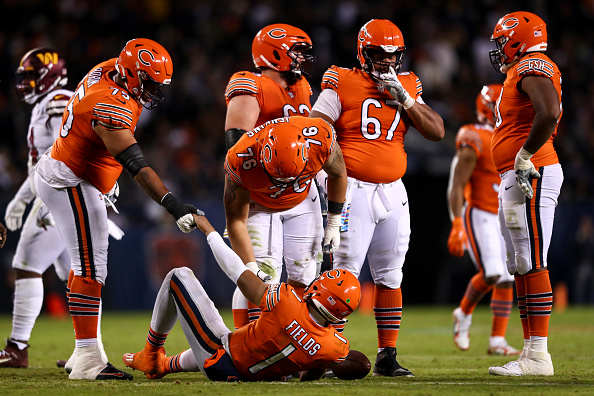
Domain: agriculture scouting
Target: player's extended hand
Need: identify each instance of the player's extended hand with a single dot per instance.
(524, 170)
(332, 234)
(457, 239)
(391, 83)
(181, 212)
(14, 214)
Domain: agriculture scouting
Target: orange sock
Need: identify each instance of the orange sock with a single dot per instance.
(84, 301)
(501, 305)
(521, 293)
(539, 302)
(69, 283)
(387, 306)
(154, 340)
(172, 364)
(475, 291)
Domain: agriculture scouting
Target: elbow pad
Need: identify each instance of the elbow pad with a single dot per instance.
(132, 159)
(232, 136)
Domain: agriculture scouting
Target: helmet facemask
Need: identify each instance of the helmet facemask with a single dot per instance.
(150, 95)
(375, 67)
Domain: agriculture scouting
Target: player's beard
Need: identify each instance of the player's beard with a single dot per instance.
(291, 77)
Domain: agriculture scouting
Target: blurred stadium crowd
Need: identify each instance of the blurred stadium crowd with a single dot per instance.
(447, 47)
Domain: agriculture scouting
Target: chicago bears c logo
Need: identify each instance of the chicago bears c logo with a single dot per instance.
(510, 23)
(149, 54)
(333, 274)
(277, 33)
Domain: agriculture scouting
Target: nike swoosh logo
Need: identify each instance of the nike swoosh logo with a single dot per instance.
(5, 360)
(314, 199)
(508, 187)
(121, 101)
(404, 203)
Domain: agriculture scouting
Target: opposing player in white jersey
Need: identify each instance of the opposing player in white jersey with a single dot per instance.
(473, 206)
(39, 80)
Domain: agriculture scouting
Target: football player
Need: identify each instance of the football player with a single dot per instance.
(96, 142)
(40, 79)
(372, 109)
(292, 334)
(475, 226)
(528, 114)
(273, 214)
(278, 89)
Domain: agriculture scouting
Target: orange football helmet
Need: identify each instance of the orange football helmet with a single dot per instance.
(145, 67)
(380, 35)
(282, 47)
(335, 294)
(284, 153)
(40, 71)
(516, 34)
(485, 103)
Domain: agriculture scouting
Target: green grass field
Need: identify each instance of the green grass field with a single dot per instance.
(424, 346)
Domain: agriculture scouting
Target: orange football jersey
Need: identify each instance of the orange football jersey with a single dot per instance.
(244, 167)
(372, 126)
(515, 113)
(483, 187)
(285, 339)
(275, 102)
(98, 99)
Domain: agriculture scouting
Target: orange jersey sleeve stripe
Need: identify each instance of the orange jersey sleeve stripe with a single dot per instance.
(330, 78)
(241, 85)
(536, 66)
(83, 232)
(191, 314)
(111, 114)
(534, 223)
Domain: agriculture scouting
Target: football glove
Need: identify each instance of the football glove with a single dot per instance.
(457, 239)
(332, 234)
(253, 266)
(391, 83)
(14, 214)
(524, 170)
(181, 212)
(111, 197)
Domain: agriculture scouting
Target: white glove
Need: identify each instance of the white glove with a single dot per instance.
(391, 83)
(524, 169)
(332, 234)
(116, 232)
(14, 214)
(112, 196)
(252, 266)
(186, 222)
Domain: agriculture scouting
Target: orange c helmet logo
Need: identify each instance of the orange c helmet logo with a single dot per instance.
(510, 23)
(277, 33)
(150, 55)
(333, 274)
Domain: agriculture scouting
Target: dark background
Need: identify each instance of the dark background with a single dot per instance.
(447, 47)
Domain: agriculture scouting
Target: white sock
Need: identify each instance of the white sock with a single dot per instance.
(85, 342)
(538, 343)
(187, 361)
(497, 341)
(28, 300)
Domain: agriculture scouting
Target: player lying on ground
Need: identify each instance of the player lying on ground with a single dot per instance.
(292, 334)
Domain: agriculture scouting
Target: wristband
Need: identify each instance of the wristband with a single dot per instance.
(335, 207)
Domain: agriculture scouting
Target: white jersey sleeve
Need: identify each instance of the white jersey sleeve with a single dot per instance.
(328, 103)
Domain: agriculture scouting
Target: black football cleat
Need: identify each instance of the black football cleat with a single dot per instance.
(387, 365)
(112, 373)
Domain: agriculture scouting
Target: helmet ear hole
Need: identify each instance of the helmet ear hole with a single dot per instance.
(276, 55)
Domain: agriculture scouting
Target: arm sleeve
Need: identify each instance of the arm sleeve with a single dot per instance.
(25, 193)
(328, 103)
